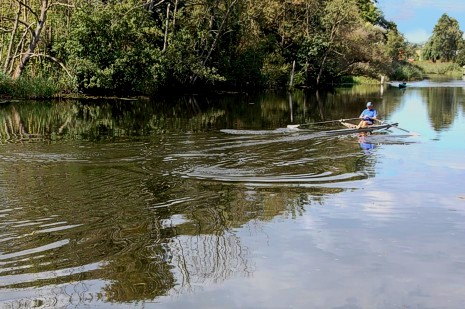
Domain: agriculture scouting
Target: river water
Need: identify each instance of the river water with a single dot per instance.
(212, 202)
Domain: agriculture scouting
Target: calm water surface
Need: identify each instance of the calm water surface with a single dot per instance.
(215, 203)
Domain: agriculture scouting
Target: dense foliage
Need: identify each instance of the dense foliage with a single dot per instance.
(134, 46)
(446, 41)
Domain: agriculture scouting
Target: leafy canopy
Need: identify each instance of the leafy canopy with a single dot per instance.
(445, 41)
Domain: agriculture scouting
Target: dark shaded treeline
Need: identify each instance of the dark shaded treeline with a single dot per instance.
(144, 47)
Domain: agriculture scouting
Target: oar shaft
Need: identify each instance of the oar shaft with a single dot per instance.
(329, 121)
(396, 126)
(402, 129)
(320, 122)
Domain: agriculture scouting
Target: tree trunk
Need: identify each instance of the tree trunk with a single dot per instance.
(19, 48)
(165, 42)
(12, 39)
(174, 14)
(34, 40)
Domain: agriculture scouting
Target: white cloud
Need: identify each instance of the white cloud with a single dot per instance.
(417, 36)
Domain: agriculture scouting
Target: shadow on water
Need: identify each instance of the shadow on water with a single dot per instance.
(124, 202)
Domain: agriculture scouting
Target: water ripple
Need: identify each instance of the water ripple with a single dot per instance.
(10, 280)
(35, 250)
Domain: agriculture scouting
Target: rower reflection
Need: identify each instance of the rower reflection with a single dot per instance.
(366, 146)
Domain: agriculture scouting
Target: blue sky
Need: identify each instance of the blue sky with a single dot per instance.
(417, 18)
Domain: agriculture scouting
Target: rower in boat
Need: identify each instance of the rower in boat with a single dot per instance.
(366, 125)
(352, 128)
(368, 116)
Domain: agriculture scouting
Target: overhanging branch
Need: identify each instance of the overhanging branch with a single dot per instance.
(54, 60)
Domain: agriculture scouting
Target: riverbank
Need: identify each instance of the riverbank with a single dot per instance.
(48, 88)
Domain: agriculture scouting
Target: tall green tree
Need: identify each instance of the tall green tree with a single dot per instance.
(445, 41)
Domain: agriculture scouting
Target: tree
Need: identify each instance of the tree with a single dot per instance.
(445, 41)
(461, 54)
(344, 44)
(23, 24)
(138, 46)
(395, 45)
(114, 47)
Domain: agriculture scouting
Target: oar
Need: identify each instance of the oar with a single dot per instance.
(402, 129)
(295, 126)
(409, 132)
(395, 125)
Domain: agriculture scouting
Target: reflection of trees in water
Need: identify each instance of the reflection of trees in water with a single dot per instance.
(141, 270)
(342, 103)
(443, 105)
(78, 228)
(12, 126)
(139, 253)
(202, 217)
(208, 258)
(69, 120)
(100, 119)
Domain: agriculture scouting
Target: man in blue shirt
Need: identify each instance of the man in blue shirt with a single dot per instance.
(368, 116)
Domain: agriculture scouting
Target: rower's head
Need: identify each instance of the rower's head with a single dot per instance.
(369, 105)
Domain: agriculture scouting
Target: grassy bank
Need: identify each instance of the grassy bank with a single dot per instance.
(359, 80)
(444, 68)
(407, 71)
(32, 87)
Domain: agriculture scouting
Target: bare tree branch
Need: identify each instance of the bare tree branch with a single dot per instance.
(28, 8)
(21, 22)
(61, 4)
(149, 6)
(10, 45)
(54, 60)
(19, 47)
